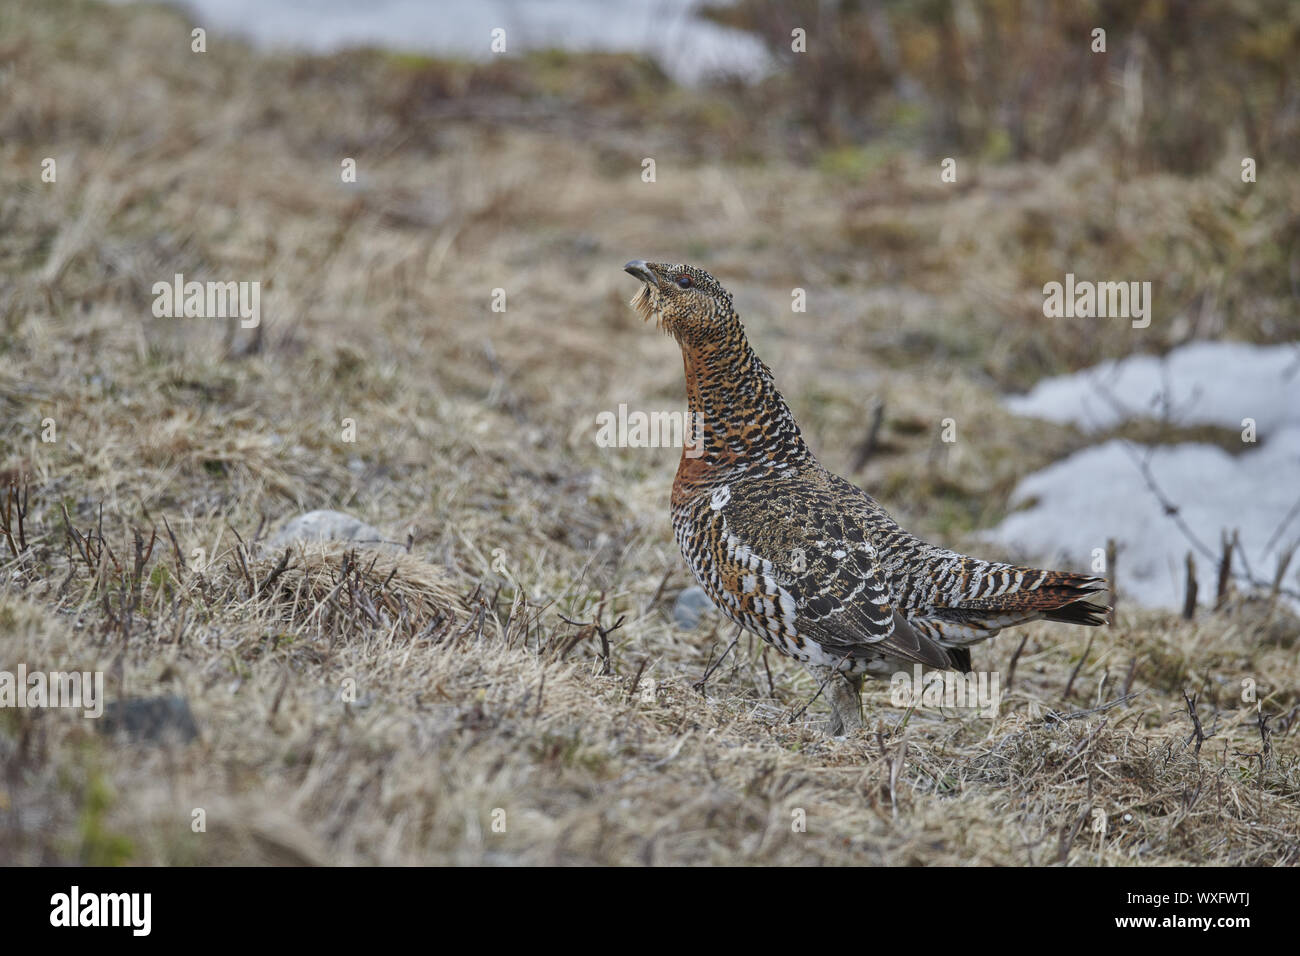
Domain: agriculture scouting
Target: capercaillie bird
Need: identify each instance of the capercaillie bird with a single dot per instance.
(802, 558)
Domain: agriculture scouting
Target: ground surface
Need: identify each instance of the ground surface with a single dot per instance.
(391, 708)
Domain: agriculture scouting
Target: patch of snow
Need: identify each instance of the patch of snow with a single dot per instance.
(689, 47)
(1203, 383)
(330, 526)
(1075, 505)
(1100, 493)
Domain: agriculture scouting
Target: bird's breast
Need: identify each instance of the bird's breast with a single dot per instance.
(700, 474)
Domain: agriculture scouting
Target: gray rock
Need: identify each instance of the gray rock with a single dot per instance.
(329, 526)
(689, 606)
(151, 720)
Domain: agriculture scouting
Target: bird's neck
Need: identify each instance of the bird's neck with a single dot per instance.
(739, 423)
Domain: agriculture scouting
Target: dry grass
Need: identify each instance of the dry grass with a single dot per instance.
(380, 707)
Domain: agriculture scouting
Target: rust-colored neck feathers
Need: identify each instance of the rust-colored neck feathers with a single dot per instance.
(738, 418)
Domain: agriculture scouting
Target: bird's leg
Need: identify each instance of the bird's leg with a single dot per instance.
(841, 691)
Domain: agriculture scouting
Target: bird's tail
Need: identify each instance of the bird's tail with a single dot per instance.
(981, 598)
(1055, 595)
(959, 659)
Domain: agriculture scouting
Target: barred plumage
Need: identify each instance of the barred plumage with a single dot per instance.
(802, 558)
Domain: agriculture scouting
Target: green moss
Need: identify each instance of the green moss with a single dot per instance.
(99, 845)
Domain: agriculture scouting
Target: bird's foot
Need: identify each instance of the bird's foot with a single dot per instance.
(841, 693)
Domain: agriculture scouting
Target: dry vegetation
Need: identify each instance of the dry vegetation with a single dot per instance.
(361, 706)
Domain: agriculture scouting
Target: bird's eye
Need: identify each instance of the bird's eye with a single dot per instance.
(684, 281)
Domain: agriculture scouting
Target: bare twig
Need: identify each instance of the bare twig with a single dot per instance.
(1067, 839)
(1225, 569)
(1290, 516)
(659, 591)
(1198, 731)
(13, 515)
(1261, 721)
(243, 565)
(1128, 678)
(1080, 714)
(1069, 686)
(636, 679)
(283, 565)
(180, 560)
(601, 630)
(1189, 602)
(1283, 562)
(714, 665)
(1011, 668)
(868, 446)
(1112, 576)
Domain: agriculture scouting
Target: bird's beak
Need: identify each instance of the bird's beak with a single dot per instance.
(646, 300)
(637, 268)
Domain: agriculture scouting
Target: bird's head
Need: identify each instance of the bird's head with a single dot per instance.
(688, 303)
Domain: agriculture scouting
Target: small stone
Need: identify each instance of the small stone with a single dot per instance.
(150, 720)
(689, 606)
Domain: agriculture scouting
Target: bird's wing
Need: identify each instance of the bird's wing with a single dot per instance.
(791, 559)
(955, 600)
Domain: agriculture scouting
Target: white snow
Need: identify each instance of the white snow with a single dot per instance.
(689, 47)
(1204, 383)
(1076, 504)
